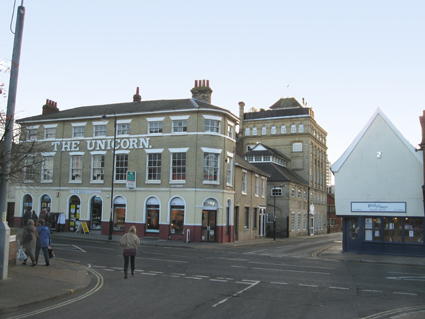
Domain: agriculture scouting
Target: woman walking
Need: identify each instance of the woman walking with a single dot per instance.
(129, 242)
(29, 239)
(43, 242)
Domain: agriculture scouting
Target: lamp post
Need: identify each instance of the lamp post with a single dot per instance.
(111, 222)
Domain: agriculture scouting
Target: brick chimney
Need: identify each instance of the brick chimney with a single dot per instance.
(202, 91)
(50, 107)
(241, 117)
(137, 97)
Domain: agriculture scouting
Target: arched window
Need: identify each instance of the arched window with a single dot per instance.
(119, 213)
(177, 216)
(152, 214)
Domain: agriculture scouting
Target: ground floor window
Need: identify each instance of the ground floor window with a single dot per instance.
(96, 212)
(393, 229)
(177, 216)
(152, 214)
(119, 214)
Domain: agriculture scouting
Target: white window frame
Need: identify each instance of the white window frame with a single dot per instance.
(117, 153)
(176, 119)
(283, 129)
(247, 131)
(254, 131)
(150, 152)
(50, 130)
(29, 168)
(229, 169)
(213, 120)
(263, 190)
(92, 168)
(297, 147)
(231, 130)
(293, 128)
(264, 130)
(51, 157)
(78, 125)
(32, 133)
(74, 155)
(301, 128)
(273, 130)
(123, 127)
(176, 151)
(244, 182)
(218, 153)
(293, 192)
(154, 120)
(98, 124)
(257, 191)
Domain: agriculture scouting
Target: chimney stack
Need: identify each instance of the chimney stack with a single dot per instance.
(241, 117)
(202, 91)
(137, 97)
(50, 107)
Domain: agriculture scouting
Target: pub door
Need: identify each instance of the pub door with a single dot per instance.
(208, 225)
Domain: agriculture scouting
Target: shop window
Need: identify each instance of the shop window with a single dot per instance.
(254, 218)
(413, 230)
(96, 212)
(373, 229)
(393, 229)
(177, 216)
(119, 213)
(152, 214)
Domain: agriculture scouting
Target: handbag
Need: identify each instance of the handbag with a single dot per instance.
(123, 241)
(21, 254)
(51, 253)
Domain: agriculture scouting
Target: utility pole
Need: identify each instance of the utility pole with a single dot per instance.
(7, 147)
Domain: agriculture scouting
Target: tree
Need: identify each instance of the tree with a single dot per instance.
(252, 109)
(25, 159)
(4, 68)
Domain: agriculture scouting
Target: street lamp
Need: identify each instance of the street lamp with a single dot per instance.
(111, 223)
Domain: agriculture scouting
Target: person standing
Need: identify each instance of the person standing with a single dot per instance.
(61, 222)
(129, 242)
(43, 242)
(29, 239)
(27, 217)
(34, 217)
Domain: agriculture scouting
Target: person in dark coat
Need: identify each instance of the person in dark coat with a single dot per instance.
(43, 242)
(27, 216)
(34, 217)
(29, 243)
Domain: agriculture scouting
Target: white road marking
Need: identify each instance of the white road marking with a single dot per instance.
(298, 266)
(278, 283)
(75, 261)
(239, 292)
(303, 285)
(366, 290)
(220, 280)
(342, 288)
(193, 278)
(404, 293)
(286, 270)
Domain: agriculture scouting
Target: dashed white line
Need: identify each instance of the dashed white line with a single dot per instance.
(404, 293)
(303, 285)
(279, 283)
(366, 290)
(342, 288)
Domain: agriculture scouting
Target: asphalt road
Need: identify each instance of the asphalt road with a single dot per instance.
(270, 281)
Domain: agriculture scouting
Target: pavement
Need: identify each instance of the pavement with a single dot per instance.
(28, 286)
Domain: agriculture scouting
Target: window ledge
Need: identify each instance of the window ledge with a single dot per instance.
(47, 181)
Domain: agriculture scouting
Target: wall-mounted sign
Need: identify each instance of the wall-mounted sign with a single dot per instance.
(372, 207)
(131, 179)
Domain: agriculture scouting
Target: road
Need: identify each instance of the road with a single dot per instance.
(284, 280)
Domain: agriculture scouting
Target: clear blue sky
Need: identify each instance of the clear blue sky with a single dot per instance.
(345, 58)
